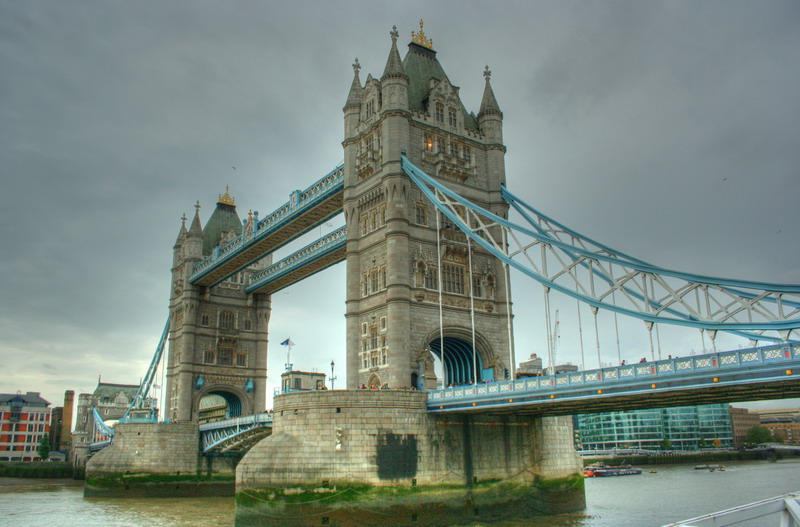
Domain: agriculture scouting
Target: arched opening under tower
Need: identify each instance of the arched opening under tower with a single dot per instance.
(218, 405)
(462, 363)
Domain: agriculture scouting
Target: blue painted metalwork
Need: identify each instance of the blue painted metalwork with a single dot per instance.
(227, 434)
(298, 204)
(296, 261)
(681, 298)
(777, 362)
(138, 402)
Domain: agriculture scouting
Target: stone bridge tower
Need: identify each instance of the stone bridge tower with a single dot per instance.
(218, 335)
(396, 263)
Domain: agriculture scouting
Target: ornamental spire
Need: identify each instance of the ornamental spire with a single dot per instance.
(489, 103)
(394, 66)
(354, 97)
(420, 38)
(226, 198)
(196, 229)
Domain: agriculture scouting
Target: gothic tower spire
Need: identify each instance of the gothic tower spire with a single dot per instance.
(489, 104)
(394, 66)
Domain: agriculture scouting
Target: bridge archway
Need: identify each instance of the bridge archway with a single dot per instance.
(220, 403)
(374, 381)
(462, 364)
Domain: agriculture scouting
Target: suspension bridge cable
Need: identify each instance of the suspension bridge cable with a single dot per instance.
(507, 288)
(616, 326)
(549, 332)
(580, 334)
(472, 316)
(597, 337)
(658, 340)
(439, 283)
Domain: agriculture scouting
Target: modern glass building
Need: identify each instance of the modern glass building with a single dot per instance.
(686, 427)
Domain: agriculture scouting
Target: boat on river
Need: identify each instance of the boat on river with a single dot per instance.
(600, 470)
(710, 468)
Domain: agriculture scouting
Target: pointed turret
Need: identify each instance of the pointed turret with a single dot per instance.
(394, 83)
(182, 232)
(394, 66)
(352, 108)
(490, 118)
(354, 97)
(178, 247)
(193, 245)
(489, 104)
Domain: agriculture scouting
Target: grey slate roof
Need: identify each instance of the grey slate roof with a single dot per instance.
(223, 219)
(29, 398)
(421, 65)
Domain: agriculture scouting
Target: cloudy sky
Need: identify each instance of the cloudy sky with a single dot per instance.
(668, 130)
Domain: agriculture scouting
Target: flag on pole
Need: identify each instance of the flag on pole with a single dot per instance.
(287, 342)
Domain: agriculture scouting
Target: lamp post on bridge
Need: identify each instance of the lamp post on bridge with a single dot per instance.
(332, 377)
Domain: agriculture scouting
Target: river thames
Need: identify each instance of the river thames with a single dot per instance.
(671, 494)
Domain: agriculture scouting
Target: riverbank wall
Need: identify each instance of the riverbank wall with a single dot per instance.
(37, 469)
(690, 458)
(158, 460)
(377, 457)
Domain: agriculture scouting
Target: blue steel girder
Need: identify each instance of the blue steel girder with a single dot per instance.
(304, 211)
(311, 259)
(140, 399)
(238, 433)
(563, 260)
(769, 372)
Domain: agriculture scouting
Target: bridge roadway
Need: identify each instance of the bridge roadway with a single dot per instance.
(769, 372)
(236, 434)
(304, 211)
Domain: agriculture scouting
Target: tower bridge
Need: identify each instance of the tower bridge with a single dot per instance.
(431, 234)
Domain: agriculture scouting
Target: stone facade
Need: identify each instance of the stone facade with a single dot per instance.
(157, 460)
(148, 448)
(218, 335)
(399, 253)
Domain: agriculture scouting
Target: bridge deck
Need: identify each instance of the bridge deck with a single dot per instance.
(304, 211)
(770, 372)
(311, 259)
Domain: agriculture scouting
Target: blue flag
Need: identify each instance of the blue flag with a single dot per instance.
(287, 342)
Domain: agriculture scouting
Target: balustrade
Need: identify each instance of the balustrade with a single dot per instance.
(677, 367)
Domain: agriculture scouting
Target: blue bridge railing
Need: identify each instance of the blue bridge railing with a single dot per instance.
(227, 433)
(633, 375)
(299, 202)
(310, 253)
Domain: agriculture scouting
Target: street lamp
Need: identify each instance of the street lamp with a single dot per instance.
(332, 377)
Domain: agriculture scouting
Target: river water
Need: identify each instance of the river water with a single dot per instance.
(671, 494)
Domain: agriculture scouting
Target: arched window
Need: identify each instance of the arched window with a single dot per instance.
(226, 320)
(440, 112)
(451, 116)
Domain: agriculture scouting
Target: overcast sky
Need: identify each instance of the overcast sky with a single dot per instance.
(668, 130)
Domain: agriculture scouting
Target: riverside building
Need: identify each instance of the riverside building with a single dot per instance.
(24, 420)
(686, 427)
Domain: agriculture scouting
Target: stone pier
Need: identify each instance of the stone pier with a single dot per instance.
(157, 460)
(378, 458)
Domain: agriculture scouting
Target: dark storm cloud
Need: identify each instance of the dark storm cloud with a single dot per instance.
(667, 130)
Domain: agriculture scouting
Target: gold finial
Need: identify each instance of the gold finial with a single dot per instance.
(421, 39)
(226, 198)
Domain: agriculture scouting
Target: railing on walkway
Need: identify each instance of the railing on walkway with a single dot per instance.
(298, 203)
(785, 509)
(310, 253)
(227, 433)
(647, 372)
